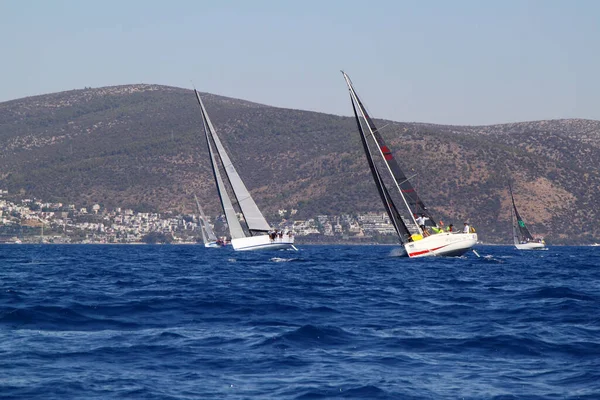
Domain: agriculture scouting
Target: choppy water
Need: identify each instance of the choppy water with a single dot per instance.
(185, 322)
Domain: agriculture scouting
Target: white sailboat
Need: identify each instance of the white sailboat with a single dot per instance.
(256, 234)
(522, 237)
(208, 235)
(401, 201)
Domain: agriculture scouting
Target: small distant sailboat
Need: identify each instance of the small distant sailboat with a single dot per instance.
(401, 202)
(208, 235)
(256, 234)
(42, 238)
(522, 237)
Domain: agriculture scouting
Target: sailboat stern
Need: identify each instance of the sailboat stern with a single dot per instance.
(441, 244)
(262, 242)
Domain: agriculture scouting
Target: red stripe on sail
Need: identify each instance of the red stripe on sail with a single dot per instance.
(387, 154)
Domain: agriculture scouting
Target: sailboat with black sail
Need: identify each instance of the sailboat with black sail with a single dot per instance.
(255, 233)
(522, 238)
(399, 197)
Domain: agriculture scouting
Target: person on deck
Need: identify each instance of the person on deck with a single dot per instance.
(421, 222)
(450, 228)
(466, 229)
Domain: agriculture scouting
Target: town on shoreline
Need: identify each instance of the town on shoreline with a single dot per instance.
(31, 220)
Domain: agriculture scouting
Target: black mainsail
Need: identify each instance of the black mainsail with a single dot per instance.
(404, 222)
(415, 204)
(524, 234)
(388, 203)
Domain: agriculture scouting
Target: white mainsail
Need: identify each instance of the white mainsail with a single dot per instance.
(235, 228)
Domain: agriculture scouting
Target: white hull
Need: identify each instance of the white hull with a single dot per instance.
(530, 246)
(212, 245)
(441, 244)
(262, 242)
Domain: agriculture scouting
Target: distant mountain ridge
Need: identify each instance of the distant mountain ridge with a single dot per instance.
(140, 146)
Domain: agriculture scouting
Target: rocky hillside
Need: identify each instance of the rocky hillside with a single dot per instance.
(141, 146)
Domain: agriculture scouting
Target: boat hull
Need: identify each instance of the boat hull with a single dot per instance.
(262, 242)
(212, 245)
(530, 246)
(441, 244)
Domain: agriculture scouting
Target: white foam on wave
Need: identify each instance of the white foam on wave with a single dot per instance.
(398, 252)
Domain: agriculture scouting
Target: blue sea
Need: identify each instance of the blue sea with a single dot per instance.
(326, 322)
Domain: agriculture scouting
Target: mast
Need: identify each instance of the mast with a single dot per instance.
(252, 215)
(235, 228)
(514, 225)
(525, 234)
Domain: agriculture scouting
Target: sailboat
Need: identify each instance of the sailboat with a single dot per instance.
(208, 235)
(522, 237)
(400, 199)
(256, 234)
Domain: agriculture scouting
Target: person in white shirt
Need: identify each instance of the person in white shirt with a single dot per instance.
(466, 229)
(421, 222)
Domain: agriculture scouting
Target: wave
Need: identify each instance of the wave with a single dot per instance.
(58, 318)
(310, 336)
(280, 259)
(557, 292)
(360, 392)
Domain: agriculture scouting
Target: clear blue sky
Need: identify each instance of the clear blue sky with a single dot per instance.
(453, 62)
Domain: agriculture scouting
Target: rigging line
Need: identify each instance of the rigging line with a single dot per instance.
(385, 126)
(238, 201)
(407, 179)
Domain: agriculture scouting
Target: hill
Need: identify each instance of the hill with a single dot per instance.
(140, 146)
